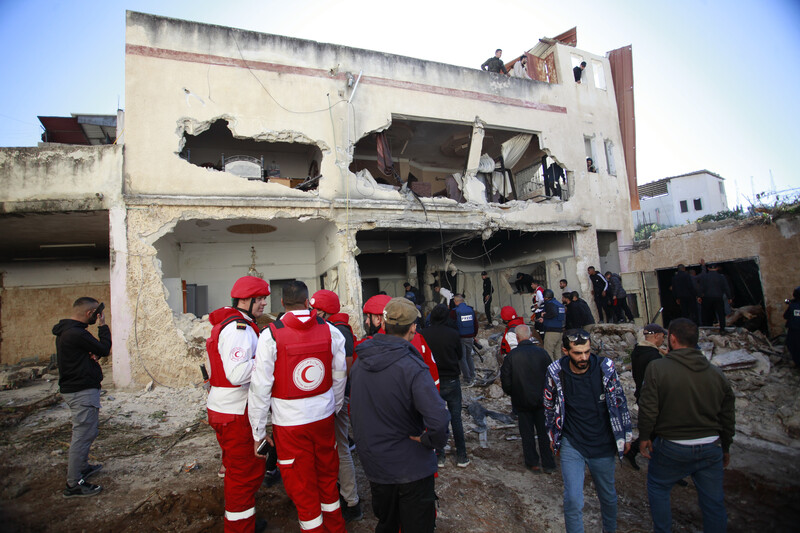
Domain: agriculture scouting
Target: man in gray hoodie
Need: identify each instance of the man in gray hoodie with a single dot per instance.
(686, 425)
(398, 420)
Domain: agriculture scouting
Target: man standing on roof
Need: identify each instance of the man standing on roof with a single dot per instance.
(495, 64)
(231, 352)
(299, 375)
(373, 316)
(326, 304)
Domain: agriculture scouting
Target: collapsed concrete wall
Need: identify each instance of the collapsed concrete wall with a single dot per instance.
(775, 245)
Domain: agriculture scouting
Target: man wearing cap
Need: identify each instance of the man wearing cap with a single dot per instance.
(509, 316)
(644, 353)
(373, 318)
(231, 351)
(399, 419)
(326, 304)
(687, 420)
(586, 413)
(299, 375)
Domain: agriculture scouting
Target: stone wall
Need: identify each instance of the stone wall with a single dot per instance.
(775, 245)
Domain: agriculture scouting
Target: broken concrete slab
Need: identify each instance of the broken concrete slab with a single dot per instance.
(735, 360)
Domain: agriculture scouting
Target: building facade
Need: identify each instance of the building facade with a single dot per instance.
(680, 199)
(351, 170)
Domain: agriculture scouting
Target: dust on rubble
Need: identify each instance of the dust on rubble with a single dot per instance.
(161, 459)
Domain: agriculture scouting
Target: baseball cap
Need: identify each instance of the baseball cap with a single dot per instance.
(400, 312)
(649, 329)
(326, 301)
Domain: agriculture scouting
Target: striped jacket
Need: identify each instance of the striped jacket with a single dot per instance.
(554, 411)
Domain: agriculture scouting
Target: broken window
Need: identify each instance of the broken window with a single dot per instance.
(293, 164)
(576, 62)
(698, 204)
(684, 206)
(599, 74)
(610, 166)
(591, 159)
(423, 153)
(721, 188)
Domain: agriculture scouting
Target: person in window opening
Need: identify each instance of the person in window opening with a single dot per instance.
(590, 165)
(520, 69)
(578, 71)
(494, 64)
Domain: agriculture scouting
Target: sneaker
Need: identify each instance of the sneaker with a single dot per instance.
(221, 472)
(351, 444)
(82, 489)
(468, 384)
(463, 462)
(682, 483)
(441, 461)
(548, 469)
(352, 513)
(90, 471)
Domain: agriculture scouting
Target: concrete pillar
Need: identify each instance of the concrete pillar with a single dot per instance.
(584, 245)
(121, 315)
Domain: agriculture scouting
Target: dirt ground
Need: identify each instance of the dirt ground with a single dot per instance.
(150, 439)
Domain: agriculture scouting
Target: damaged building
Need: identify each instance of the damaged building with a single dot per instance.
(351, 170)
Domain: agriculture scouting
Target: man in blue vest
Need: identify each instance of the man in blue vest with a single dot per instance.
(467, 328)
(552, 320)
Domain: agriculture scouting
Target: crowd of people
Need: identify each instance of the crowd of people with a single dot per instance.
(283, 401)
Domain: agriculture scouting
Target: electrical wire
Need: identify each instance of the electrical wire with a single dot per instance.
(270, 94)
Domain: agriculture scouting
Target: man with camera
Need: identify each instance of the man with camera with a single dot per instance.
(79, 381)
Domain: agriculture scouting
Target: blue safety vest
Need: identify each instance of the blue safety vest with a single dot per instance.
(556, 323)
(465, 320)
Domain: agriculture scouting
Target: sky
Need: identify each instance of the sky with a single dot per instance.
(716, 83)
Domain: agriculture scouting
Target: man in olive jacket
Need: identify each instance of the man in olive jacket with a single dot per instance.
(686, 423)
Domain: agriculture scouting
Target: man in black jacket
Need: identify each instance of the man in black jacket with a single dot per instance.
(583, 313)
(600, 294)
(522, 376)
(487, 296)
(645, 352)
(79, 381)
(399, 419)
(445, 345)
(495, 64)
(685, 294)
(713, 289)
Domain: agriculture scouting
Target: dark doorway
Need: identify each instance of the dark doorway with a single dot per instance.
(744, 279)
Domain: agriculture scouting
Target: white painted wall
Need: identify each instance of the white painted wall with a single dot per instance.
(666, 209)
(55, 274)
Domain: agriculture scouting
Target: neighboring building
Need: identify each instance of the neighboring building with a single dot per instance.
(681, 199)
(246, 152)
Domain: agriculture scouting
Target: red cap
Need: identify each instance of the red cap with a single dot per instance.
(326, 301)
(249, 287)
(376, 304)
(508, 313)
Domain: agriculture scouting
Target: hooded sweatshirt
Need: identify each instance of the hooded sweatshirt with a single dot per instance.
(392, 397)
(685, 397)
(75, 346)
